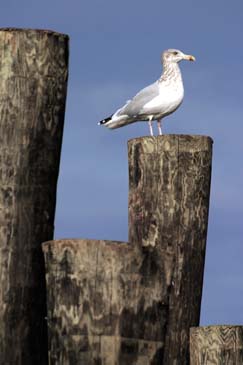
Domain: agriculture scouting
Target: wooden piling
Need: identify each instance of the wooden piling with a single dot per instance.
(33, 82)
(169, 187)
(217, 345)
(101, 310)
(112, 303)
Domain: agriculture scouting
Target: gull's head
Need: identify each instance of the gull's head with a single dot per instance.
(175, 56)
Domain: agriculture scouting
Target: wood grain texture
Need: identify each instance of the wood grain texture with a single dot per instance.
(33, 82)
(101, 310)
(216, 345)
(169, 187)
(112, 303)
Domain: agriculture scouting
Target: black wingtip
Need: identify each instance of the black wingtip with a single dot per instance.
(104, 121)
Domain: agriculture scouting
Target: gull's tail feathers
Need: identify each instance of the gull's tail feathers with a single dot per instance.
(106, 120)
(115, 121)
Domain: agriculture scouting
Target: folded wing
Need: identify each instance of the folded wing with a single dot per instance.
(135, 106)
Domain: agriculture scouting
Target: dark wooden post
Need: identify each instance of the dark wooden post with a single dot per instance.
(113, 303)
(33, 81)
(168, 216)
(217, 345)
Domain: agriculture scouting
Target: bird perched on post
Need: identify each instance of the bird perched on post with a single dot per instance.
(157, 100)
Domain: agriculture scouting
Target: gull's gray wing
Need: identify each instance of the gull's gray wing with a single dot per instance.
(135, 106)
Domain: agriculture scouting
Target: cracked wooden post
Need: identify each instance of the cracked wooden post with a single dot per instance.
(33, 81)
(133, 303)
(168, 215)
(216, 345)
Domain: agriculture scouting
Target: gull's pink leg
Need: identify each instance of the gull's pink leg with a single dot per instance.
(159, 126)
(150, 128)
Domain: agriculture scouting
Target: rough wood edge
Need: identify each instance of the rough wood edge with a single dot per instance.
(140, 139)
(60, 243)
(220, 326)
(168, 142)
(44, 31)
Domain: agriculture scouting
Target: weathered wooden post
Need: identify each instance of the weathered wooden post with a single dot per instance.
(114, 303)
(168, 216)
(33, 81)
(216, 345)
(96, 305)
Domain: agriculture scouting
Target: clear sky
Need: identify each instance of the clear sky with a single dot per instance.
(115, 51)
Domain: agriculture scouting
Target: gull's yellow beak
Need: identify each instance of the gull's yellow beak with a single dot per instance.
(189, 57)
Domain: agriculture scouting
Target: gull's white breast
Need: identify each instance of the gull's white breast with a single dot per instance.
(168, 100)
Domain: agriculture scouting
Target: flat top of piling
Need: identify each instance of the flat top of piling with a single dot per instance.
(167, 142)
(171, 136)
(215, 326)
(42, 31)
(62, 243)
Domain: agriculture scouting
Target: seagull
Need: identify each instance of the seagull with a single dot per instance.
(157, 100)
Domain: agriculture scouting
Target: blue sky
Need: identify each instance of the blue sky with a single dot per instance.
(115, 50)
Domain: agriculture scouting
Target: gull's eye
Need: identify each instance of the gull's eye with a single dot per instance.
(175, 53)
